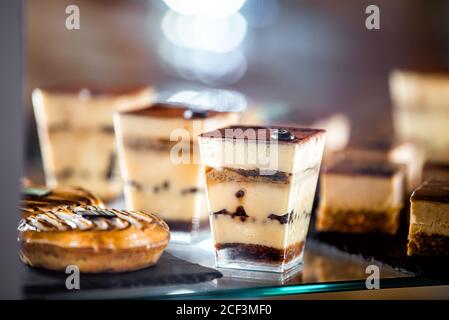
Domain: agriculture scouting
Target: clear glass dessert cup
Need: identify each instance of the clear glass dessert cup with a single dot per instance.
(260, 214)
(76, 135)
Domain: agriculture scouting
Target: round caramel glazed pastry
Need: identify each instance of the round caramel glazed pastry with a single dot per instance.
(92, 238)
(37, 198)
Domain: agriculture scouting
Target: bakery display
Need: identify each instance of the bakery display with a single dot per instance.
(429, 219)
(77, 137)
(36, 198)
(360, 197)
(94, 239)
(160, 163)
(408, 154)
(260, 206)
(421, 111)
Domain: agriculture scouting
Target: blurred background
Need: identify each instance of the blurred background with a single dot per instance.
(302, 57)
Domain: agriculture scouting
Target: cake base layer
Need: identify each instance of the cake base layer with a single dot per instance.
(89, 260)
(258, 257)
(358, 221)
(424, 244)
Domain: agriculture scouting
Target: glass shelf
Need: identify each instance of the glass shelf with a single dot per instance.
(325, 270)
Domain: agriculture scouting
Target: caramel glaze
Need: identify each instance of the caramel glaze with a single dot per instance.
(93, 227)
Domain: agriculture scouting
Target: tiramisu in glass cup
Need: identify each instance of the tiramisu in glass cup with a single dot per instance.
(261, 184)
(77, 137)
(160, 163)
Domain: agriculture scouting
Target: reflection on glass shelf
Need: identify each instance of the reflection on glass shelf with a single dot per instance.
(321, 264)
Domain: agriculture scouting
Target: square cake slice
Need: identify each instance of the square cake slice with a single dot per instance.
(359, 197)
(160, 163)
(429, 219)
(261, 184)
(405, 153)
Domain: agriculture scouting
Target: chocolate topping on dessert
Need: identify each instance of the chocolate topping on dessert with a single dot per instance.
(383, 169)
(240, 194)
(432, 190)
(239, 212)
(266, 134)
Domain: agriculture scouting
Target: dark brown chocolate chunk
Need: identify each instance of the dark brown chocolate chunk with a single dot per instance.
(156, 189)
(240, 194)
(189, 190)
(285, 218)
(107, 129)
(166, 185)
(432, 190)
(282, 135)
(111, 166)
(239, 212)
(134, 184)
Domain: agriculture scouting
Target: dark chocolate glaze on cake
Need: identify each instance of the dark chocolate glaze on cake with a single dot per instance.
(432, 190)
(173, 110)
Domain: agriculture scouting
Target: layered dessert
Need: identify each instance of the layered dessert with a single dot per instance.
(36, 198)
(429, 219)
(160, 164)
(261, 184)
(421, 111)
(408, 154)
(93, 239)
(77, 137)
(359, 197)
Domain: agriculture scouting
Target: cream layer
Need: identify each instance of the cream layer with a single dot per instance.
(241, 154)
(358, 193)
(431, 217)
(266, 232)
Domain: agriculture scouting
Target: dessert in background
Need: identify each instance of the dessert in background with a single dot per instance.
(92, 238)
(149, 142)
(77, 137)
(337, 125)
(36, 198)
(403, 153)
(359, 197)
(421, 111)
(260, 210)
(429, 219)
(436, 170)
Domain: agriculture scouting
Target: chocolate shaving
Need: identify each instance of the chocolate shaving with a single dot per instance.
(97, 213)
(189, 190)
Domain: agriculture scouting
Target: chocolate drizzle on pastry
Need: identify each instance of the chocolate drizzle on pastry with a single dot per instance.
(86, 218)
